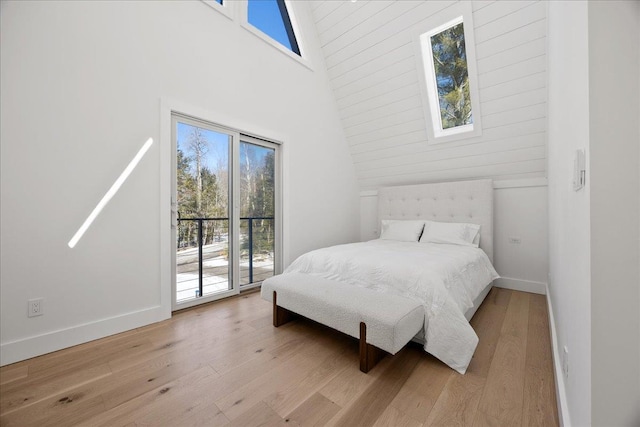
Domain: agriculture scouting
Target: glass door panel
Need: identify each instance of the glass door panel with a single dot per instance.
(225, 217)
(203, 242)
(257, 210)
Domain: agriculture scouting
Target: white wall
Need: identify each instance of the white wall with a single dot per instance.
(594, 278)
(521, 212)
(569, 217)
(520, 208)
(374, 67)
(615, 208)
(81, 84)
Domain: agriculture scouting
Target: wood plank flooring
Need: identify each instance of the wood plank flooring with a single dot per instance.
(224, 364)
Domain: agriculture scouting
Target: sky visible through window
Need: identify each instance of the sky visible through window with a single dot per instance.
(266, 16)
(216, 147)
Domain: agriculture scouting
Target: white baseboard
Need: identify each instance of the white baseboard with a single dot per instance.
(38, 345)
(521, 285)
(561, 393)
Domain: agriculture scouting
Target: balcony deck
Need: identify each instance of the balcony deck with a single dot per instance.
(215, 271)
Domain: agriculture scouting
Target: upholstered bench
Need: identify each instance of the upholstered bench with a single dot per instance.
(381, 321)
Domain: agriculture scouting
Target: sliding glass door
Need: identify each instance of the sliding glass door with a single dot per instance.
(224, 203)
(257, 210)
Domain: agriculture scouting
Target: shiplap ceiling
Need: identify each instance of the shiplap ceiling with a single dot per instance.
(373, 69)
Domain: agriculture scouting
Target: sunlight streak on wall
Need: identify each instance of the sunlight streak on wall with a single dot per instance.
(112, 191)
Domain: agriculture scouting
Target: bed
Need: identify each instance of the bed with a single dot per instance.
(447, 281)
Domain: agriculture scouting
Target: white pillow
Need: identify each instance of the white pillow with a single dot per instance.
(403, 231)
(456, 233)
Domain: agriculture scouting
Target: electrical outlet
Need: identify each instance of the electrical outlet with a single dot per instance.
(565, 361)
(515, 240)
(36, 307)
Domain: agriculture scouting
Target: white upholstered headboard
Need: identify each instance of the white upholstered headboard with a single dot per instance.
(462, 201)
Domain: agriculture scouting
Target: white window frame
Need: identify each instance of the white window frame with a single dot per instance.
(243, 9)
(233, 211)
(226, 8)
(169, 107)
(422, 36)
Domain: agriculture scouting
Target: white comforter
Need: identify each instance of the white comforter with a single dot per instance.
(444, 278)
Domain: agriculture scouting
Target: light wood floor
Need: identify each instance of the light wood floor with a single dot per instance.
(224, 364)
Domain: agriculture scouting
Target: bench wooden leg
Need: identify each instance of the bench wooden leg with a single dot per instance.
(281, 315)
(369, 354)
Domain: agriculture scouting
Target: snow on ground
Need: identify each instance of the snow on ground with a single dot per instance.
(215, 271)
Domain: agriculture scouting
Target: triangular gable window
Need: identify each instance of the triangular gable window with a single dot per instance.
(272, 18)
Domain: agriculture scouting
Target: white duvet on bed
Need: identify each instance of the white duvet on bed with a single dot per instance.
(444, 278)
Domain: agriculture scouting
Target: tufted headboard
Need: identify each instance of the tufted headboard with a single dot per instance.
(462, 201)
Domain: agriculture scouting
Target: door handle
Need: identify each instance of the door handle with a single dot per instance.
(174, 217)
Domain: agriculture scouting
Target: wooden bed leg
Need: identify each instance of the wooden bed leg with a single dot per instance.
(369, 354)
(280, 315)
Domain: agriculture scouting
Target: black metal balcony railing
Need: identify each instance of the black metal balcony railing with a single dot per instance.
(186, 240)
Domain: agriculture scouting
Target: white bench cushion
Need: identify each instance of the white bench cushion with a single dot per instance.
(392, 321)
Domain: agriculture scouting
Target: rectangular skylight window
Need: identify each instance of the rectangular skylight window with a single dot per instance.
(272, 18)
(450, 90)
(452, 78)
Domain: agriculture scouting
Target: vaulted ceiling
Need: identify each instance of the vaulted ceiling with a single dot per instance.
(372, 63)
